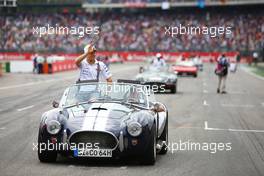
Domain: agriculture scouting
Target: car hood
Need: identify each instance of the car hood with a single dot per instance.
(98, 117)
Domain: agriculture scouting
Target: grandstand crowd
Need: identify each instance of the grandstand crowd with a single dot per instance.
(134, 32)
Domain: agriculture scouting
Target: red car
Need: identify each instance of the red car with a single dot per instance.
(185, 68)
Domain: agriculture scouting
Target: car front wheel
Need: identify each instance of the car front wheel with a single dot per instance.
(164, 138)
(150, 155)
(174, 89)
(44, 154)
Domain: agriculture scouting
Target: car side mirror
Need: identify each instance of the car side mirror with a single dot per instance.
(55, 104)
(158, 108)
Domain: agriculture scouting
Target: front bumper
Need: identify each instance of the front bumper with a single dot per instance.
(161, 85)
(127, 145)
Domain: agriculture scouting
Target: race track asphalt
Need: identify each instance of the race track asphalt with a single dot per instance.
(196, 115)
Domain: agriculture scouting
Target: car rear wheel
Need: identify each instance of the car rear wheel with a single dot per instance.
(44, 154)
(164, 138)
(149, 158)
(195, 75)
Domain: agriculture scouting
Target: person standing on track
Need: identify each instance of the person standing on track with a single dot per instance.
(90, 68)
(222, 72)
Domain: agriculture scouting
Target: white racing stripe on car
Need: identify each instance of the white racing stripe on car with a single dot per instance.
(102, 118)
(90, 118)
(96, 120)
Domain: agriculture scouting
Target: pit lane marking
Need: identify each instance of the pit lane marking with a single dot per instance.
(230, 129)
(25, 108)
(205, 91)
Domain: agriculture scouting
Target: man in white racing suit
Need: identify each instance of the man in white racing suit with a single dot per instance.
(158, 62)
(90, 68)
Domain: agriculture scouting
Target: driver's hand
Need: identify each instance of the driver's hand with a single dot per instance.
(89, 48)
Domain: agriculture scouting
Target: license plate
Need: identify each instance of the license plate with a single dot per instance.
(93, 153)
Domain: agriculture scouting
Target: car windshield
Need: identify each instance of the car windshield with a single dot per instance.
(130, 94)
(152, 68)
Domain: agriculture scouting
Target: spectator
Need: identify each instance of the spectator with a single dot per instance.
(222, 71)
(127, 31)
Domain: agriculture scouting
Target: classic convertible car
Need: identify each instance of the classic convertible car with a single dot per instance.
(186, 68)
(162, 77)
(104, 120)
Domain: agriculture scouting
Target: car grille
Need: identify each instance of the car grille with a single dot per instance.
(106, 140)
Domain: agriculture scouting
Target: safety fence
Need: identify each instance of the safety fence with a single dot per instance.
(24, 62)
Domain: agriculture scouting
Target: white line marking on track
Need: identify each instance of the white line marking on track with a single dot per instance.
(2, 128)
(205, 103)
(237, 106)
(205, 125)
(240, 130)
(204, 84)
(230, 129)
(35, 83)
(25, 108)
(252, 74)
(262, 104)
(50, 80)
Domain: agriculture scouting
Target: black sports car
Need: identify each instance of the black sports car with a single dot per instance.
(104, 120)
(161, 77)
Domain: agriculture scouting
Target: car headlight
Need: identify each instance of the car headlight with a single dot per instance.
(53, 126)
(134, 129)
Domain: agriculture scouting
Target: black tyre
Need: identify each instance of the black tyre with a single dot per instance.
(149, 158)
(164, 138)
(174, 89)
(195, 75)
(44, 154)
